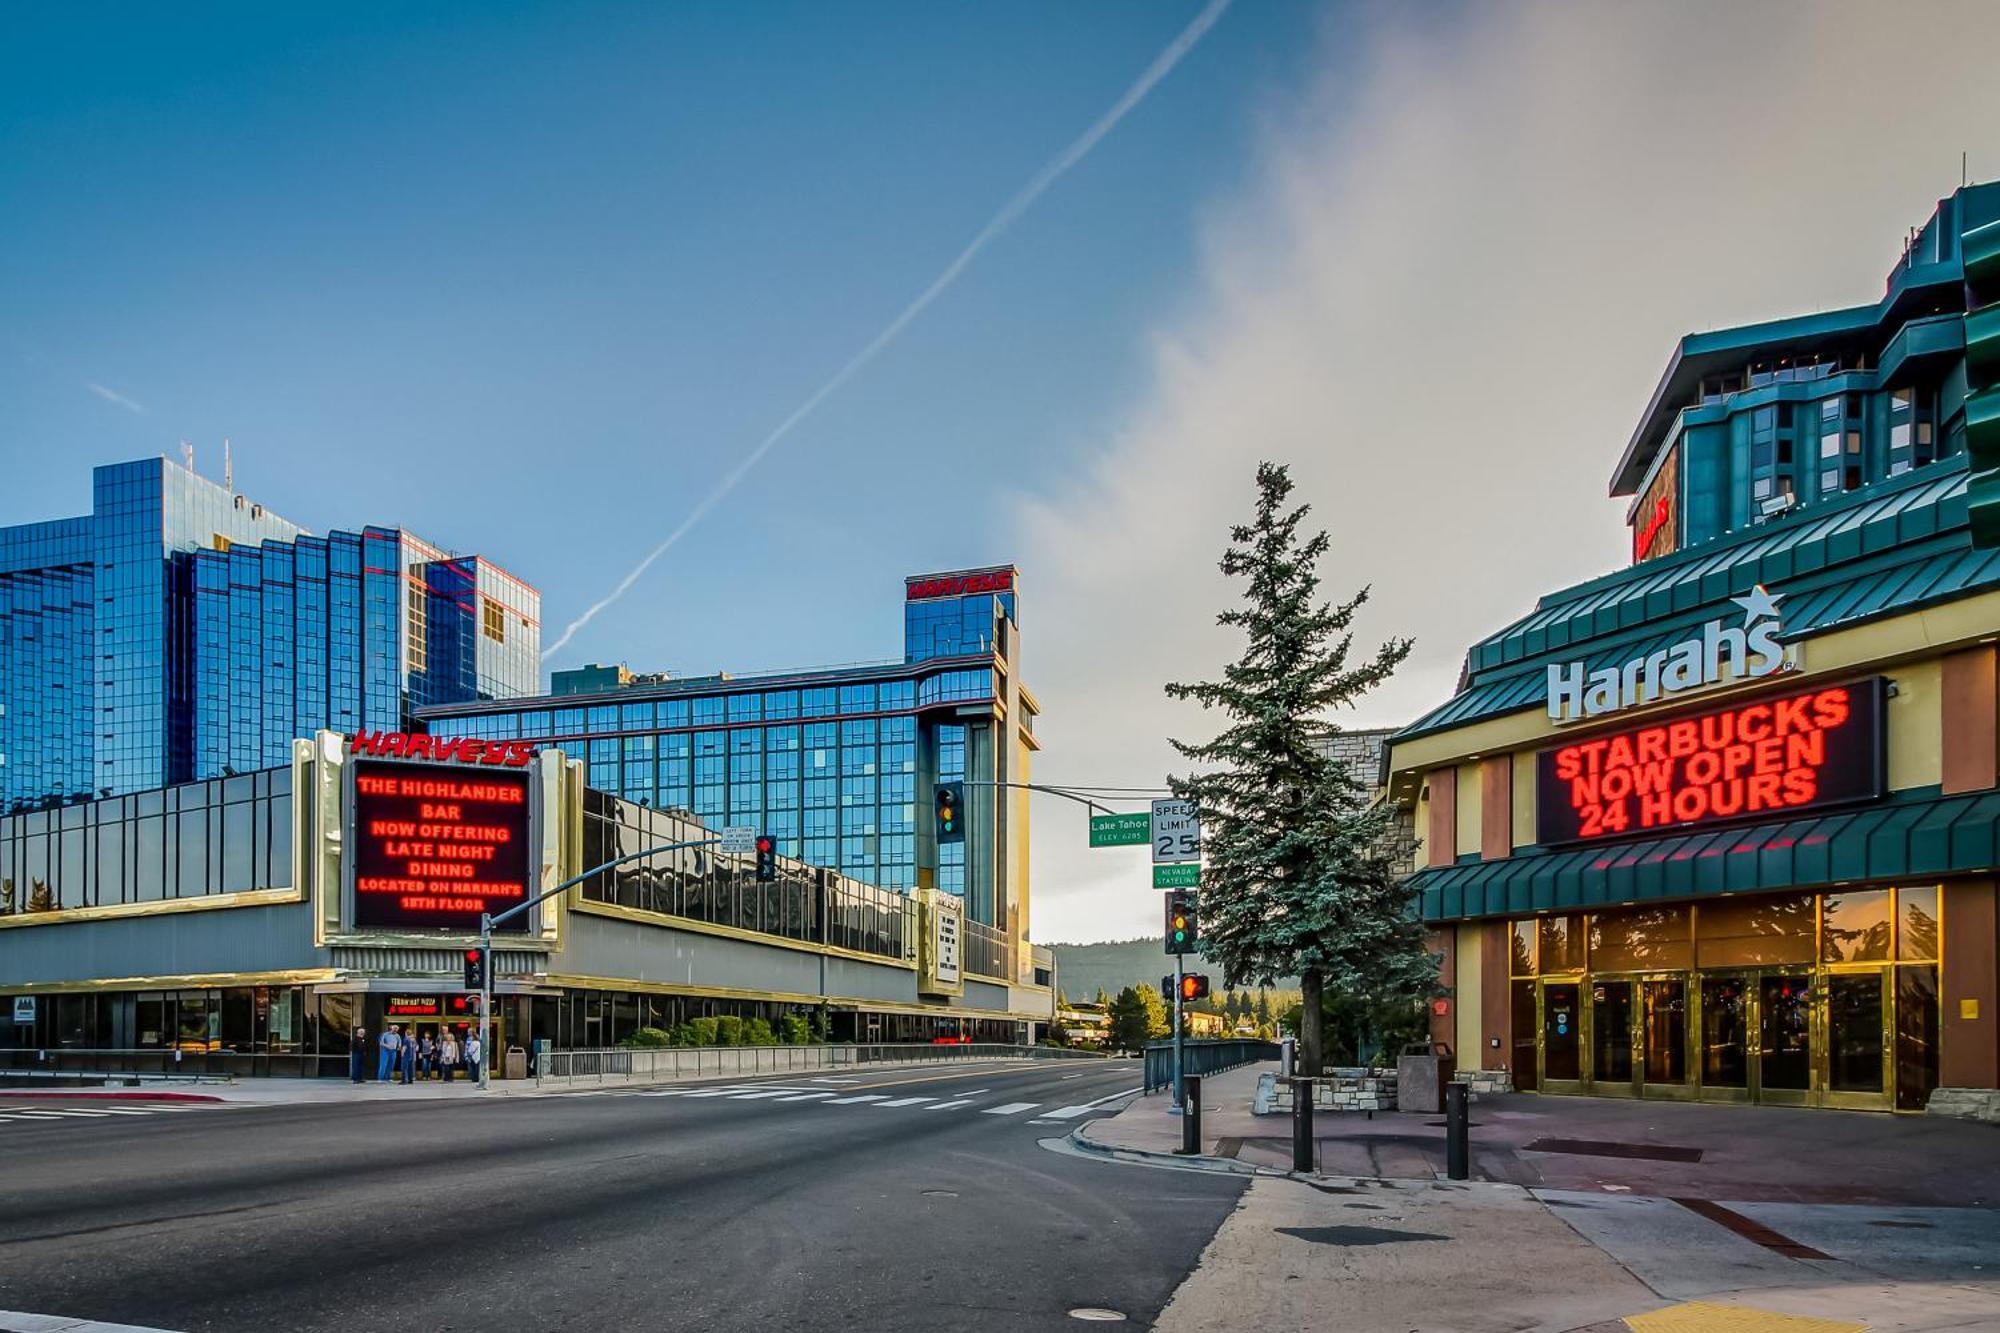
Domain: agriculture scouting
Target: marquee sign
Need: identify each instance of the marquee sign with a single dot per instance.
(441, 749)
(435, 846)
(1772, 756)
(958, 585)
(1717, 652)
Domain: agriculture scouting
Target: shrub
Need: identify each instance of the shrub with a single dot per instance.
(681, 1034)
(703, 1032)
(648, 1038)
(728, 1030)
(757, 1032)
(794, 1031)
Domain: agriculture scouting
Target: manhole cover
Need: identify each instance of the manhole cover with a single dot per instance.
(1349, 1235)
(1097, 1313)
(1651, 1152)
(942, 1194)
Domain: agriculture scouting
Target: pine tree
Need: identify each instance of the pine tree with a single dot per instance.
(1138, 1016)
(1296, 875)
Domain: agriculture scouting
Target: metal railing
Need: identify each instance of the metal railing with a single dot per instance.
(187, 1064)
(1204, 1057)
(667, 1064)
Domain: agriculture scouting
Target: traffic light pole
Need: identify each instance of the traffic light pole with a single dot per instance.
(487, 921)
(1180, 1050)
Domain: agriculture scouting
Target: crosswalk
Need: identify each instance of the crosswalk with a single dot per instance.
(972, 1101)
(44, 1113)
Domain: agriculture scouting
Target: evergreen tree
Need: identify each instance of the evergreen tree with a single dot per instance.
(1297, 874)
(1138, 1016)
(1104, 997)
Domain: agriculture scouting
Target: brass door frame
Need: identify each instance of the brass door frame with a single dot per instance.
(1885, 1100)
(1561, 1086)
(1587, 1023)
(1684, 1090)
(1815, 1037)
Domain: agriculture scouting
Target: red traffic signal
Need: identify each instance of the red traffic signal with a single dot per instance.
(475, 969)
(767, 858)
(1194, 986)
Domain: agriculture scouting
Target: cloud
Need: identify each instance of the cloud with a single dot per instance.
(1460, 266)
(120, 399)
(1010, 213)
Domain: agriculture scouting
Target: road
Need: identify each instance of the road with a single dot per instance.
(911, 1198)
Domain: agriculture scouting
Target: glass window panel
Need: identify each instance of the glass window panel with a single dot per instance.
(1855, 927)
(1917, 931)
(1562, 944)
(1916, 1036)
(1750, 932)
(1637, 939)
(1523, 949)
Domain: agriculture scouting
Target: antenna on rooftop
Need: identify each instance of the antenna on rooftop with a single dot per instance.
(228, 471)
(187, 455)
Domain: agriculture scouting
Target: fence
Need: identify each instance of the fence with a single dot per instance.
(1203, 1057)
(667, 1064)
(62, 1065)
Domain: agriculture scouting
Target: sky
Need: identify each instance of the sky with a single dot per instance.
(535, 280)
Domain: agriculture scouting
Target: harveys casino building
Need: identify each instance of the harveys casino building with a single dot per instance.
(1723, 825)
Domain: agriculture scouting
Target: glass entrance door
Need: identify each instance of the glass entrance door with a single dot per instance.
(1857, 1040)
(1611, 1011)
(1663, 1036)
(1562, 1038)
(1725, 1037)
(1784, 1037)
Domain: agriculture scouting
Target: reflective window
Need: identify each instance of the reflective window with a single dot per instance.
(1917, 926)
(1562, 943)
(1856, 927)
(1752, 932)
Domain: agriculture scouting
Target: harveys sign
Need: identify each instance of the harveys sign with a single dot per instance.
(441, 749)
(1718, 652)
(959, 585)
(1770, 757)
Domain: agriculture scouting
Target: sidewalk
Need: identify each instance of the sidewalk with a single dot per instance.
(1586, 1215)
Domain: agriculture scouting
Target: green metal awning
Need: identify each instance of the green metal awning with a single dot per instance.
(1904, 838)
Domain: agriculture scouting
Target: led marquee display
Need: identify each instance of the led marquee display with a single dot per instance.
(1767, 757)
(435, 846)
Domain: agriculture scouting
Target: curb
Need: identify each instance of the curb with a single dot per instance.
(1148, 1157)
(114, 1096)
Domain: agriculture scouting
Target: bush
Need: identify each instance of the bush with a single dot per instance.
(648, 1038)
(757, 1032)
(701, 1032)
(728, 1030)
(794, 1031)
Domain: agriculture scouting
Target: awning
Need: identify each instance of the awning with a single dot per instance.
(1926, 837)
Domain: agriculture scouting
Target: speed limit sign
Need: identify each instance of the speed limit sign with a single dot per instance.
(1176, 831)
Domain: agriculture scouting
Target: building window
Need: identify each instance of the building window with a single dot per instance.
(420, 633)
(494, 620)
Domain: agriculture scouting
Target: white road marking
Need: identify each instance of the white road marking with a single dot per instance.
(1069, 1112)
(805, 1096)
(1110, 1097)
(907, 1101)
(1011, 1108)
(41, 1115)
(15, 1321)
(947, 1106)
(842, 1081)
(1045, 1122)
(760, 1094)
(113, 1110)
(865, 1097)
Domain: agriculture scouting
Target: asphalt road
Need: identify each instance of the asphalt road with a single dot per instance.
(614, 1211)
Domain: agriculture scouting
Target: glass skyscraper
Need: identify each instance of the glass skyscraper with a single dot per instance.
(180, 631)
(840, 765)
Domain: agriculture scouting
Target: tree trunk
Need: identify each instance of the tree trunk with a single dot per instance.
(1312, 1022)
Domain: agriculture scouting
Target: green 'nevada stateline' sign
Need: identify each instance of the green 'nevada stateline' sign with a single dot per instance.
(1177, 875)
(1121, 830)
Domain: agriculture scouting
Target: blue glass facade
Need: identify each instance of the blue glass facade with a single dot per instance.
(179, 631)
(837, 765)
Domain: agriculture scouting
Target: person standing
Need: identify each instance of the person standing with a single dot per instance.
(426, 1055)
(406, 1065)
(448, 1055)
(473, 1052)
(357, 1055)
(391, 1044)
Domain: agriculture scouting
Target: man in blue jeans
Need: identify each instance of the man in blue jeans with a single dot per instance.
(473, 1052)
(392, 1045)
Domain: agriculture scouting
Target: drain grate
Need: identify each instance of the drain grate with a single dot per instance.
(1751, 1229)
(1649, 1152)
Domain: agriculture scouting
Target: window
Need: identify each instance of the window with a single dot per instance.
(493, 617)
(420, 633)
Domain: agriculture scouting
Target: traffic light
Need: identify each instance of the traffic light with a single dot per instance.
(475, 969)
(1182, 935)
(950, 812)
(767, 858)
(1194, 986)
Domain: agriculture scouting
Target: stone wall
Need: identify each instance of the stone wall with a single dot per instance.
(1480, 1082)
(1344, 1090)
(1966, 1104)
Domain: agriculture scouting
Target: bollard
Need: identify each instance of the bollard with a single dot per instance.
(1190, 1115)
(1302, 1124)
(1456, 1151)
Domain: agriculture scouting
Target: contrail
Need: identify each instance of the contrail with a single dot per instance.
(1037, 186)
(118, 398)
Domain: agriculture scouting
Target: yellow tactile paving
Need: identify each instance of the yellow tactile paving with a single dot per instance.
(1707, 1317)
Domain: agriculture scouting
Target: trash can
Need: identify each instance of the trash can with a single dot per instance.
(517, 1062)
(1422, 1071)
(1287, 1052)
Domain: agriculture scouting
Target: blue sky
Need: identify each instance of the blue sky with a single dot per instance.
(528, 278)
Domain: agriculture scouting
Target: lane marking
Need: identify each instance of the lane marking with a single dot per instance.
(947, 1106)
(1069, 1112)
(1111, 1098)
(92, 1114)
(1011, 1108)
(841, 1081)
(849, 1101)
(804, 1096)
(16, 1321)
(760, 1095)
(906, 1101)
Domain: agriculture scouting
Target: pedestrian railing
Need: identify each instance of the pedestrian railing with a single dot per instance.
(1203, 1057)
(666, 1064)
(189, 1063)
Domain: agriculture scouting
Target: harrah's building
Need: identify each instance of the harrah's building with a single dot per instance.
(1723, 825)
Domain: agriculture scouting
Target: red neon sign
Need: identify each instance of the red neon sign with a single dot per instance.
(436, 848)
(1771, 756)
(1001, 580)
(444, 749)
(1642, 540)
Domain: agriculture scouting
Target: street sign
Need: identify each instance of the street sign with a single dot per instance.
(1179, 875)
(1120, 830)
(1176, 831)
(24, 1008)
(739, 839)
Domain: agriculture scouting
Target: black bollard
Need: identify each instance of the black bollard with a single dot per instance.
(1302, 1124)
(1457, 1152)
(1190, 1115)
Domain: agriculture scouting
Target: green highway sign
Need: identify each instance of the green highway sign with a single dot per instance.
(1177, 875)
(1121, 830)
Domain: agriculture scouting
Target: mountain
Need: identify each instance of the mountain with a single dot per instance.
(1082, 969)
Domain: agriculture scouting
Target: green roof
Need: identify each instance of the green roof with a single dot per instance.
(1913, 836)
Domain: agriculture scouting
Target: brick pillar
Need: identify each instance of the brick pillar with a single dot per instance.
(1441, 832)
(1969, 704)
(1970, 1054)
(1496, 1012)
(1496, 807)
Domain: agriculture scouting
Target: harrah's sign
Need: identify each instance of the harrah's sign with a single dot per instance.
(1719, 652)
(958, 585)
(443, 749)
